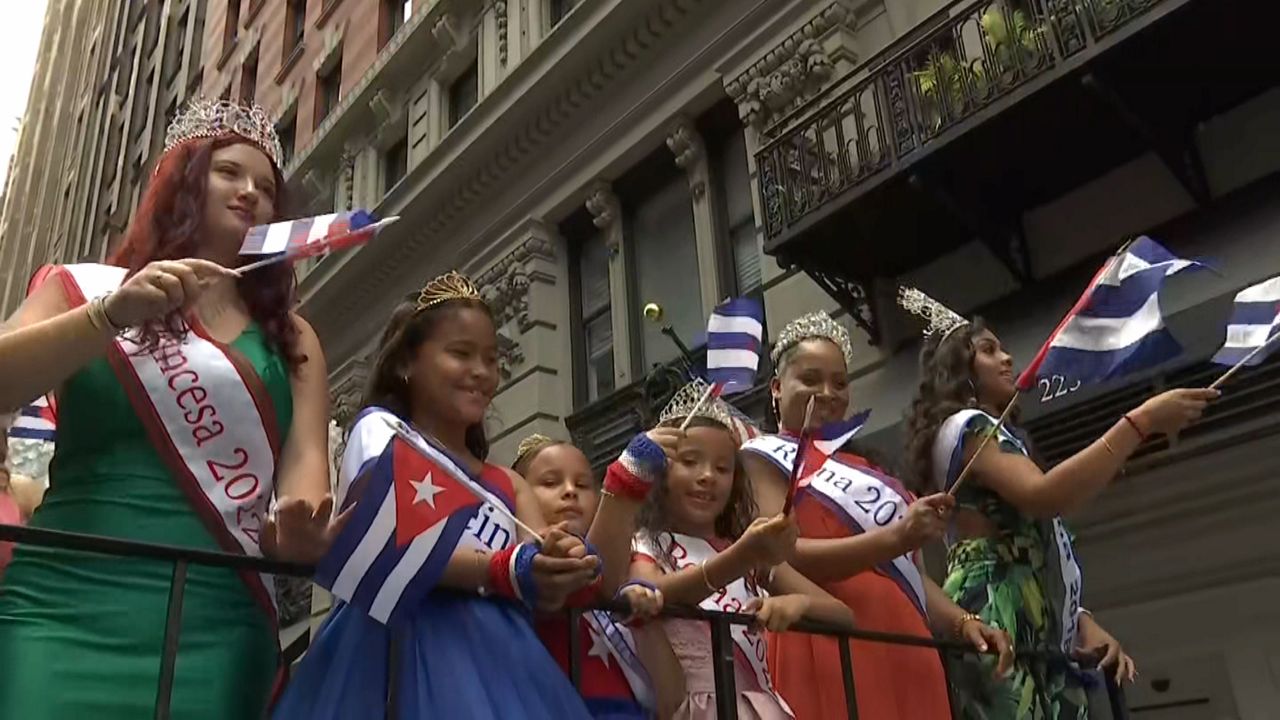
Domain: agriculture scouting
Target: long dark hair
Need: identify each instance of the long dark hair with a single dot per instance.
(737, 515)
(407, 330)
(946, 387)
(169, 225)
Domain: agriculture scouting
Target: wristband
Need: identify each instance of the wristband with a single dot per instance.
(511, 574)
(633, 474)
(1136, 428)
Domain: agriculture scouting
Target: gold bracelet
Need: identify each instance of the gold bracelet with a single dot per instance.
(703, 566)
(959, 626)
(1107, 444)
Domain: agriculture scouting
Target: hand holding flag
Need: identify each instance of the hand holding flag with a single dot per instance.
(293, 240)
(814, 448)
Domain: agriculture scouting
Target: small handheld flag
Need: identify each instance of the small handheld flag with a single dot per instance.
(36, 421)
(1116, 327)
(1252, 329)
(294, 240)
(815, 447)
(709, 395)
(734, 333)
(402, 532)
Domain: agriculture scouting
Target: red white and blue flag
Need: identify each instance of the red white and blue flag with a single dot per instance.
(1254, 325)
(310, 236)
(36, 421)
(413, 508)
(1116, 327)
(815, 447)
(734, 334)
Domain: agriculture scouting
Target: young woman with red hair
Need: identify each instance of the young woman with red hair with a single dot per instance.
(190, 401)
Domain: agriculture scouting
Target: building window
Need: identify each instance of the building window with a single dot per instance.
(733, 185)
(597, 317)
(328, 90)
(663, 253)
(395, 164)
(231, 30)
(249, 78)
(287, 130)
(557, 9)
(295, 26)
(394, 15)
(464, 93)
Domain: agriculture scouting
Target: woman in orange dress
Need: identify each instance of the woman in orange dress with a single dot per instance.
(860, 537)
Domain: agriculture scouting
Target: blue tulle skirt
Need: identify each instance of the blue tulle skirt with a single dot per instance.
(458, 656)
(606, 709)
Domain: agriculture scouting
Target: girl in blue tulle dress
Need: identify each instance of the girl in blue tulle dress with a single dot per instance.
(469, 649)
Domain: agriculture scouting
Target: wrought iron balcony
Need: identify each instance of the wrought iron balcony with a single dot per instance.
(992, 107)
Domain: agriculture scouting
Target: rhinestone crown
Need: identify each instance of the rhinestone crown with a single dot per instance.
(203, 118)
(815, 325)
(941, 319)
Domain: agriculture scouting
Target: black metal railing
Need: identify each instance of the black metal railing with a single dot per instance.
(720, 622)
(882, 113)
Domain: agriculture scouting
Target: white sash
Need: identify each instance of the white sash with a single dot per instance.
(948, 457)
(861, 498)
(621, 645)
(688, 551)
(208, 417)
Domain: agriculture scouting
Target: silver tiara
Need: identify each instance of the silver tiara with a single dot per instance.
(815, 325)
(685, 401)
(940, 318)
(204, 118)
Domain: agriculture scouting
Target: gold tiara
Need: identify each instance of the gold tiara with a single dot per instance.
(203, 118)
(941, 319)
(452, 285)
(530, 446)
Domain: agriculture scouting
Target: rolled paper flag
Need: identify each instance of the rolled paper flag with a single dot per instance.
(307, 237)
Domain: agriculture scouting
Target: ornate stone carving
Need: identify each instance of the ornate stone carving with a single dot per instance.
(347, 177)
(685, 142)
(603, 205)
(348, 393)
(505, 287)
(791, 71)
(500, 12)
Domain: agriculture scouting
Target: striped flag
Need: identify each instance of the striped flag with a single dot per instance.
(734, 333)
(814, 448)
(412, 511)
(36, 421)
(1254, 323)
(310, 236)
(1116, 327)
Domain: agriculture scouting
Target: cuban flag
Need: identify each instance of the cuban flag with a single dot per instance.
(1116, 327)
(310, 236)
(734, 333)
(816, 447)
(413, 508)
(1254, 325)
(36, 421)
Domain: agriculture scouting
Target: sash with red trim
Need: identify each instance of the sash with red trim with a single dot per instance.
(208, 414)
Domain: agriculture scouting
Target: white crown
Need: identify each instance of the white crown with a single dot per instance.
(214, 118)
(815, 325)
(940, 318)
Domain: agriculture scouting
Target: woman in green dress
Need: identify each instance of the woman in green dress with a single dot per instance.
(193, 411)
(1010, 559)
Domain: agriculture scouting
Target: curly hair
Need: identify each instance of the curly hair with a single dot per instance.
(738, 513)
(408, 328)
(169, 225)
(946, 387)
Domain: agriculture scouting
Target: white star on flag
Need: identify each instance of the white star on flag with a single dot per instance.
(599, 647)
(425, 491)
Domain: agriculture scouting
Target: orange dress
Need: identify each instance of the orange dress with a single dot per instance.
(890, 681)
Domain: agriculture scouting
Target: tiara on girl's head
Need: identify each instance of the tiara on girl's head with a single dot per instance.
(685, 403)
(204, 118)
(452, 285)
(815, 325)
(941, 319)
(533, 444)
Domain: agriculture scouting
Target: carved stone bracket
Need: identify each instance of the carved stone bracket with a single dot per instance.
(500, 11)
(451, 38)
(505, 287)
(348, 393)
(685, 142)
(796, 68)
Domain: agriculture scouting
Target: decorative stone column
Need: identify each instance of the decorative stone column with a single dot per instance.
(691, 156)
(606, 214)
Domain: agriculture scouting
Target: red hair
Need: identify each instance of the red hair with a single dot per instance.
(169, 225)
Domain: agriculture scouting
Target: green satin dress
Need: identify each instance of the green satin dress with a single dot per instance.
(81, 634)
